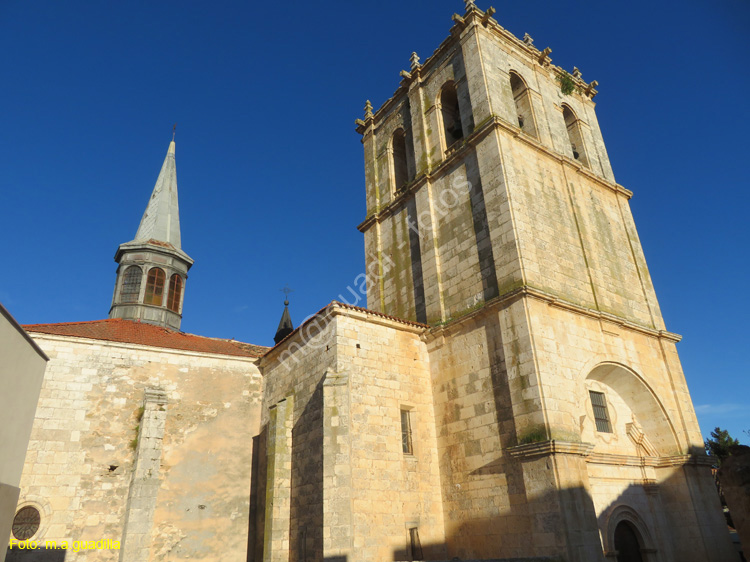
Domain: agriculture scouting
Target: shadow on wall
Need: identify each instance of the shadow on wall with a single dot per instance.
(646, 523)
(40, 554)
(554, 526)
(734, 478)
(304, 534)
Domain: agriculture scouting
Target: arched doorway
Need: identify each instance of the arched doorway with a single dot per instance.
(627, 545)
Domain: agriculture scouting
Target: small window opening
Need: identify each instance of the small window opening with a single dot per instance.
(175, 292)
(400, 168)
(302, 546)
(113, 467)
(131, 284)
(415, 547)
(451, 114)
(522, 99)
(407, 445)
(601, 415)
(154, 286)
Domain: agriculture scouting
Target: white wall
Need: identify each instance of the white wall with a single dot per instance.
(22, 366)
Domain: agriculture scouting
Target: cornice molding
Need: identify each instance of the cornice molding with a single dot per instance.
(531, 292)
(552, 447)
(650, 461)
(555, 447)
(139, 346)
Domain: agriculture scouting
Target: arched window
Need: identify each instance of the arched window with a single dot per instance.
(175, 292)
(451, 114)
(131, 284)
(155, 286)
(522, 99)
(400, 168)
(574, 135)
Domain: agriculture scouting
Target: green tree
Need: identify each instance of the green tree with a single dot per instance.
(718, 445)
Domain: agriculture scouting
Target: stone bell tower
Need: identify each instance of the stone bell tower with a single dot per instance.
(563, 419)
(152, 267)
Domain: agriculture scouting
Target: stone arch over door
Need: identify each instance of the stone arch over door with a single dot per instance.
(642, 401)
(623, 524)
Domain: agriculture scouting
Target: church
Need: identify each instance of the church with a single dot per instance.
(511, 391)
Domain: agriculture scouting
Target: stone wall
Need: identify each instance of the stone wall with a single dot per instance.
(290, 513)
(192, 500)
(353, 491)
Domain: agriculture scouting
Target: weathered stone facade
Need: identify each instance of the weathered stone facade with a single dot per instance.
(513, 393)
(143, 445)
(552, 412)
(339, 385)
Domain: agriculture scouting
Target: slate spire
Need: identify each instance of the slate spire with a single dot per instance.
(285, 325)
(161, 221)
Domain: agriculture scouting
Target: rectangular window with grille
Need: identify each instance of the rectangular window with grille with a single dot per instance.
(601, 416)
(406, 440)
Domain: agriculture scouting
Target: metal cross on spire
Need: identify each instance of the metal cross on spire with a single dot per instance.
(286, 290)
(174, 129)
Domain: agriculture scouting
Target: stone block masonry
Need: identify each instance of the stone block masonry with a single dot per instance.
(93, 467)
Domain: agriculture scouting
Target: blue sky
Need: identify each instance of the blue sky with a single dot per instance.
(270, 169)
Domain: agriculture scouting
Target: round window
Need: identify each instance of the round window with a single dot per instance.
(26, 523)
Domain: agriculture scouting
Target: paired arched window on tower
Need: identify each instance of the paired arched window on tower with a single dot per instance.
(575, 135)
(155, 286)
(451, 114)
(131, 284)
(175, 293)
(522, 99)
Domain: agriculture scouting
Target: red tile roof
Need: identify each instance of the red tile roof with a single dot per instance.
(128, 331)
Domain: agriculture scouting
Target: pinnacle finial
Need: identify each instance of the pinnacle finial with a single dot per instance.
(285, 325)
(528, 39)
(368, 109)
(414, 60)
(576, 72)
(469, 4)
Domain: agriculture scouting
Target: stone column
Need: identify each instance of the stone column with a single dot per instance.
(337, 478)
(278, 481)
(144, 486)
